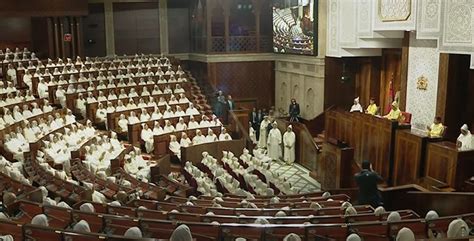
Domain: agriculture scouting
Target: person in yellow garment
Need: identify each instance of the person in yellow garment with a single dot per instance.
(372, 108)
(395, 114)
(436, 129)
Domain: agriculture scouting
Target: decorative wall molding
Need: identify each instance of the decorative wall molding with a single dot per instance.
(449, 22)
(394, 10)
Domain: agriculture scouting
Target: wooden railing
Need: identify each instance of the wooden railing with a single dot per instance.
(316, 125)
(239, 126)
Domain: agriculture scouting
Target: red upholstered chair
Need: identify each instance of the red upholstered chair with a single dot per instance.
(406, 118)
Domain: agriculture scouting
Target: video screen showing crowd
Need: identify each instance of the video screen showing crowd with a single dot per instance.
(294, 26)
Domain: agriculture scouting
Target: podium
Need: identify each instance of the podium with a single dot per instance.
(334, 169)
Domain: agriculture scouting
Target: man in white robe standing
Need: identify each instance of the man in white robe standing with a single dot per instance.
(289, 140)
(262, 141)
(274, 143)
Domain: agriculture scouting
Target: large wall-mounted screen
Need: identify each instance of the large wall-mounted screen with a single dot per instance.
(294, 26)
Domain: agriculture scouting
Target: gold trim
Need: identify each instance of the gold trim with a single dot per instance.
(394, 19)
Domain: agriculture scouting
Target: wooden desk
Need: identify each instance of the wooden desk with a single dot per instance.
(334, 169)
(446, 164)
(410, 153)
(373, 138)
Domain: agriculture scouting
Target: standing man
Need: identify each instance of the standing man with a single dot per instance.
(294, 110)
(367, 181)
(274, 143)
(289, 140)
(220, 104)
(262, 140)
(230, 103)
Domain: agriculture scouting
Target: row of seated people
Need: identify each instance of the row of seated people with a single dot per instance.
(121, 71)
(137, 61)
(141, 61)
(113, 95)
(230, 176)
(103, 82)
(14, 96)
(7, 87)
(16, 55)
(16, 138)
(114, 218)
(184, 140)
(142, 89)
(130, 116)
(146, 113)
(12, 114)
(41, 72)
(57, 223)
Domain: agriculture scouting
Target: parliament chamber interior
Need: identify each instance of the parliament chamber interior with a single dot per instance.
(210, 120)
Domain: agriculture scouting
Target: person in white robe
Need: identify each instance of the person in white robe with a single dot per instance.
(81, 105)
(168, 128)
(112, 95)
(178, 89)
(168, 113)
(156, 115)
(211, 137)
(191, 110)
(183, 99)
(144, 116)
(70, 89)
(47, 107)
(289, 140)
(133, 119)
(29, 133)
(185, 141)
(123, 123)
(179, 112)
(141, 103)
(147, 136)
(101, 113)
(205, 123)
(262, 141)
(35, 110)
(274, 142)
(27, 79)
(17, 115)
(174, 146)
(156, 90)
(162, 101)
(26, 112)
(465, 140)
(181, 126)
(224, 136)
(356, 107)
(101, 97)
(192, 124)
(199, 138)
(61, 96)
(120, 106)
(157, 129)
(173, 100)
(7, 117)
(110, 107)
(131, 104)
(69, 118)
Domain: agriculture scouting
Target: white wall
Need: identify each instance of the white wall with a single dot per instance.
(302, 78)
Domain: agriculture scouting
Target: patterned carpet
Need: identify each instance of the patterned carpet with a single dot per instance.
(297, 175)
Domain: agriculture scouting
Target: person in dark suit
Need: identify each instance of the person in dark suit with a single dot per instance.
(367, 181)
(260, 116)
(294, 110)
(253, 118)
(230, 103)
